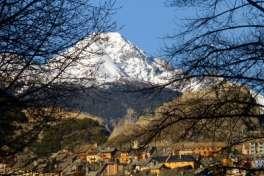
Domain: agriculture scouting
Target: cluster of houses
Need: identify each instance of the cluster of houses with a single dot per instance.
(159, 159)
(180, 158)
(135, 162)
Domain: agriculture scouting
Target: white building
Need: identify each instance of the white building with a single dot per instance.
(256, 148)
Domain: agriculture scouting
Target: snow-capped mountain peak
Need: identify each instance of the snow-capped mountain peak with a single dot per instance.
(112, 58)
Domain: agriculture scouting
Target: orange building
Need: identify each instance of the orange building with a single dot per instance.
(227, 162)
(123, 157)
(112, 169)
(143, 154)
(156, 170)
(204, 149)
(107, 154)
(173, 162)
(93, 158)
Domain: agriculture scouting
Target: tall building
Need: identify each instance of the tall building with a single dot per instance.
(256, 148)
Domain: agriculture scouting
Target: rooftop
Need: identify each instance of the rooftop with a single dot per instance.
(175, 158)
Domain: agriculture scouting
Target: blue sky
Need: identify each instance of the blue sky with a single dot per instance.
(146, 21)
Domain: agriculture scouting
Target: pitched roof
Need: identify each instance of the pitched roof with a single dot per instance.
(159, 166)
(107, 150)
(175, 158)
(141, 162)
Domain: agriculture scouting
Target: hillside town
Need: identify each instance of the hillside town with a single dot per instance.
(185, 158)
(131, 88)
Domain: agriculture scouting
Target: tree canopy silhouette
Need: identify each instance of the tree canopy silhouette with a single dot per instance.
(32, 34)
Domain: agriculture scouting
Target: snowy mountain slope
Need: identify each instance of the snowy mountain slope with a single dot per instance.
(112, 58)
(116, 65)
